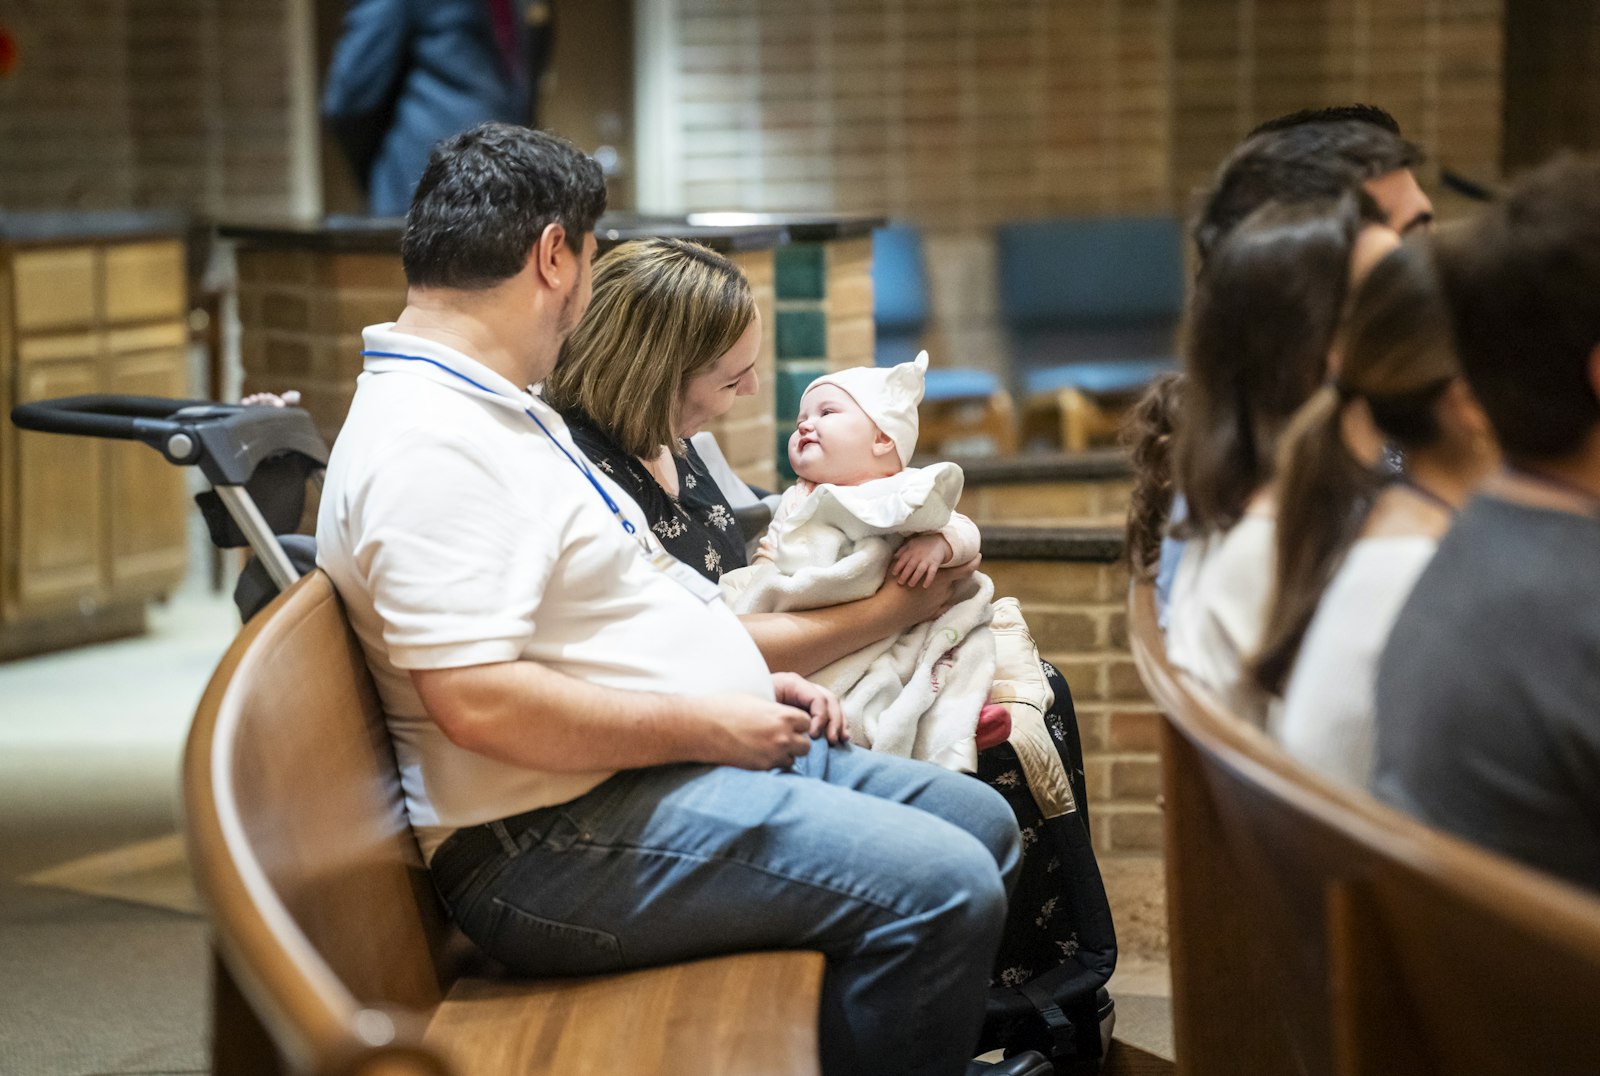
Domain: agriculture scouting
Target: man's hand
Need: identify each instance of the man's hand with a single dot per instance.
(755, 734)
(918, 558)
(827, 716)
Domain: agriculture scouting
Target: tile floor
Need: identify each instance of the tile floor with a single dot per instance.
(102, 954)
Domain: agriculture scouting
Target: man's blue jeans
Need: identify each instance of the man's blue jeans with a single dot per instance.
(896, 870)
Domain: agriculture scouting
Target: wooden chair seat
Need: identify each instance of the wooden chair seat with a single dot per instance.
(1072, 420)
(950, 421)
(335, 956)
(657, 1020)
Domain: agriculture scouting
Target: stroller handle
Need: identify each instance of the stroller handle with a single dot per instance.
(123, 418)
(226, 441)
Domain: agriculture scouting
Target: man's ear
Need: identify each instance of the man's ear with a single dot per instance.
(547, 254)
(1462, 404)
(883, 444)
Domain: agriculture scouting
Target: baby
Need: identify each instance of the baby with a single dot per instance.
(859, 513)
(838, 440)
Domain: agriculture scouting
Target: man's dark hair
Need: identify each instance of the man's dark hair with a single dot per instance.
(1372, 114)
(1523, 284)
(486, 197)
(1297, 163)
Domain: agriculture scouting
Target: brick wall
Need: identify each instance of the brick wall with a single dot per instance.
(301, 313)
(147, 103)
(960, 114)
(1436, 64)
(1077, 612)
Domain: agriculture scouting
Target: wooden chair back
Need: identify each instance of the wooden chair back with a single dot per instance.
(1315, 930)
(334, 955)
(324, 915)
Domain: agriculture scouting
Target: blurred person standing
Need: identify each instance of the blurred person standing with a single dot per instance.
(407, 73)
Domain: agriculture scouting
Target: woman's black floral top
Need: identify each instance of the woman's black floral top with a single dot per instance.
(697, 527)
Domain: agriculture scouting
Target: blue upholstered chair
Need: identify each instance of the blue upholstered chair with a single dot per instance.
(958, 402)
(1091, 305)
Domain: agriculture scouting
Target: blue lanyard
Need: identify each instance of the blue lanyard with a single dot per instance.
(616, 509)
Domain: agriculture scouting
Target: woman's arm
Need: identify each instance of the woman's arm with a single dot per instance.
(806, 641)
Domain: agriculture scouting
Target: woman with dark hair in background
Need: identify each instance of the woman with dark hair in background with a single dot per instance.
(1352, 539)
(1257, 343)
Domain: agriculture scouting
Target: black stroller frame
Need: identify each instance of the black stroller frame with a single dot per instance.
(257, 460)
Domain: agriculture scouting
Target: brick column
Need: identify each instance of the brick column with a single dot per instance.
(824, 321)
(301, 313)
(1073, 591)
(745, 433)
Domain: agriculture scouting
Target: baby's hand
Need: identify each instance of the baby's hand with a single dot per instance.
(290, 398)
(918, 558)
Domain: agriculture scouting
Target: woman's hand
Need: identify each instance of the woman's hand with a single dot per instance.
(827, 716)
(918, 558)
(804, 641)
(909, 606)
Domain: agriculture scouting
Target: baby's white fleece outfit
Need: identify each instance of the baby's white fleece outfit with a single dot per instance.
(916, 694)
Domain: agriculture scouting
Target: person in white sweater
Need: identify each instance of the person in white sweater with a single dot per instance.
(1352, 538)
(1257, 342)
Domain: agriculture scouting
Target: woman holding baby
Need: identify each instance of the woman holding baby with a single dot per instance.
(668, 345)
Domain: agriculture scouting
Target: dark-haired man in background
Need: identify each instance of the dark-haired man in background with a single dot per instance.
(1316, 153)
(1488, 694)
(599, 768)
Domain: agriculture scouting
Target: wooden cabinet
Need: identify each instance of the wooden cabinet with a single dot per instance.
(90, 530)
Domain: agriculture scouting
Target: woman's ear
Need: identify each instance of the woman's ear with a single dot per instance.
(1463, 416)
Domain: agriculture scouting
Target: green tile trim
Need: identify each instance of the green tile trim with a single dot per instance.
(801, 334)
(801, 271)
(782, 456)
(791, 382)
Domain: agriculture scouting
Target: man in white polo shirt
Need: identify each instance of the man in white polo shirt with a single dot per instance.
(599, 767)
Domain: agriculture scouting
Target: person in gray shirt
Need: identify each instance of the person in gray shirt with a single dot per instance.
(1488, 693)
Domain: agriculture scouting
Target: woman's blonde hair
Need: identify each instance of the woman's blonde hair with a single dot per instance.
(663, 311)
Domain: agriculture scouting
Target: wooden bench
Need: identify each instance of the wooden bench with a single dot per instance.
(1315, 930)
(335, 956)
